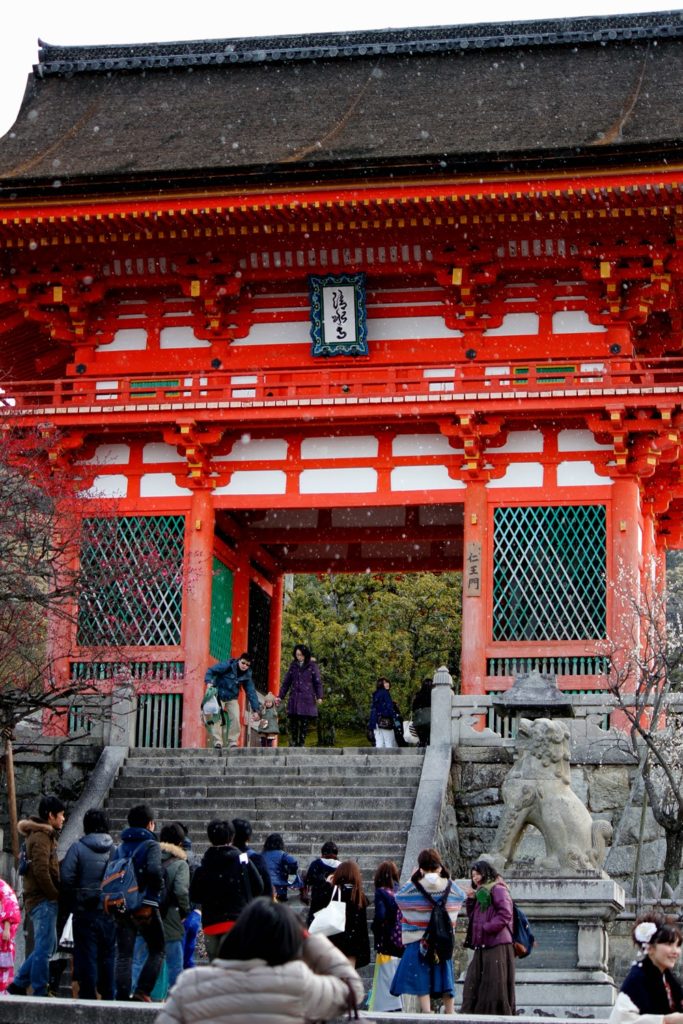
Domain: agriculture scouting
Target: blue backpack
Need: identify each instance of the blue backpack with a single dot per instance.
(119, 889)
(523, 940)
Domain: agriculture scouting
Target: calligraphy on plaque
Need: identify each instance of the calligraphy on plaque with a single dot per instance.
(338, 317)
(473, 569)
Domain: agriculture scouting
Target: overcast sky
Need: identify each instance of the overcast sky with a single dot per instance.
(133, 21)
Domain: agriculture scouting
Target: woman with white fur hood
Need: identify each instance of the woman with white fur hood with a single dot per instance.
(268, 970)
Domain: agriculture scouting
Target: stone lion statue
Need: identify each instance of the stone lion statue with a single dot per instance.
(537, 792)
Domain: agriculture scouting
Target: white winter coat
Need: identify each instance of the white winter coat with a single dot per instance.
(251, 991)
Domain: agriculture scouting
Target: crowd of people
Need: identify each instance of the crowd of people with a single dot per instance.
(266, 957)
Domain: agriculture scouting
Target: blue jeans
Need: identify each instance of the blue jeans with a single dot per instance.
(127, 930)
(174, 963)
(94, 953)
(191, 924)
(35, 968)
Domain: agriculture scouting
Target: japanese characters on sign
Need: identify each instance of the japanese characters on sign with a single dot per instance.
(472, 582)
(338, 318)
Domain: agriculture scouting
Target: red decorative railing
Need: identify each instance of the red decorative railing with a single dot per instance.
(344, 385)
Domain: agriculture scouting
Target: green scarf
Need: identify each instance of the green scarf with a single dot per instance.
(483, 895)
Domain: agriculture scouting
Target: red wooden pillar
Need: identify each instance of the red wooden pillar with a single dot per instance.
(199, 546)
(475, 588)
(625, 570)
(240, 619)
(275, 646)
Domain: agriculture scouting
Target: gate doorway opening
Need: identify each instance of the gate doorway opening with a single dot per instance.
(371, 590)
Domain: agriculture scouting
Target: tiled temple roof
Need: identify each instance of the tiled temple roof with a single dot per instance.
(500, 98)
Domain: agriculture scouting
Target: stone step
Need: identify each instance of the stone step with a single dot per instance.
(192, 809)
(266, 752)
(325, 776)
(225, 791)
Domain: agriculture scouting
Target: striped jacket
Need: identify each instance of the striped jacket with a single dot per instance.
(417, 910)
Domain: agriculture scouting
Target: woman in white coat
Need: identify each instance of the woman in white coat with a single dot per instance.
(268, 969)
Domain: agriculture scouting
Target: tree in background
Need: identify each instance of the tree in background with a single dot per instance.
(645, 684)
(402, 626)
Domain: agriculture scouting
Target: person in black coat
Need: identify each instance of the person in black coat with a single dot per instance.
(383, 713)
(651, 993)
(223, 884)
(354, 941)
(316, 891)
(94, 931)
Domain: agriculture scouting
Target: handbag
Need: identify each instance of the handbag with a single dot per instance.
(384, 722)
(66, 939)
(331, 920)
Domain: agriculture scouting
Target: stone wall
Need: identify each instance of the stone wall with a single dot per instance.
(47, 767)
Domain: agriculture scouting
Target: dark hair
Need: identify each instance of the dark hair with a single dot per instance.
(427, 681)
(429, 860)
(329, 849)
(173, 834)
(386, 875)
(486, 869)
(95, 820)
(220, 832)
(245, 656)
(274, 842)
(243, 830)
(379, 685)
(667, 933)
(304, 650)
(49, 805)
(140, 816)
(266, 930)
(348, 873)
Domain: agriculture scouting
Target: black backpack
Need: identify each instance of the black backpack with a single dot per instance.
(522, 937)
(438, 942)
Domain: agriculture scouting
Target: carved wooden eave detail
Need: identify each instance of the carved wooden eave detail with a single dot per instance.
(468, 281)
(197, 444)
(642, 440)
(475, 433)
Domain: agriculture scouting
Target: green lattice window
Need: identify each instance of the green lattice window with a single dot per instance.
(133, 589)
(549, 573)
(221, 612)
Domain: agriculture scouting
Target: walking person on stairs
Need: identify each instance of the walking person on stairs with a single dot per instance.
(383, 713)
(228, 677)
(304, 686)
(140, 843)
(223, 884)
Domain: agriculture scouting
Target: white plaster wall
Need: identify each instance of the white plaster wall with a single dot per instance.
(579, 474)
(246, 450)
(395, 328)
(513, 324)
(574, 321)
(157, 451)
(362, 447)
(161, 485)
(522, 441)
(579, 441)
(181, 337)
(258, 481)
(338, 481)
(114, 485)
(520, 474)
(130, 339)
(108, 455)
(423, 444)
(423, 478)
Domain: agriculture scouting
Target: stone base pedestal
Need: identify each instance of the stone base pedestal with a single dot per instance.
(566, 974)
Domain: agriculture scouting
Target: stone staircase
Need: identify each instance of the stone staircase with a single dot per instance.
(361, 798)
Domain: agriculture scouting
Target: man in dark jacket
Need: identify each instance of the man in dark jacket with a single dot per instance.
(140, 843)
(94, 931)
(243, 831)
(223, 884)
(41, 893)
(228, 677)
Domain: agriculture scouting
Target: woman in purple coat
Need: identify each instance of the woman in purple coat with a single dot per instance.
(305, 690)
(490, 981)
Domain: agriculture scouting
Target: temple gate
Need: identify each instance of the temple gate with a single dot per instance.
(351, 347)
